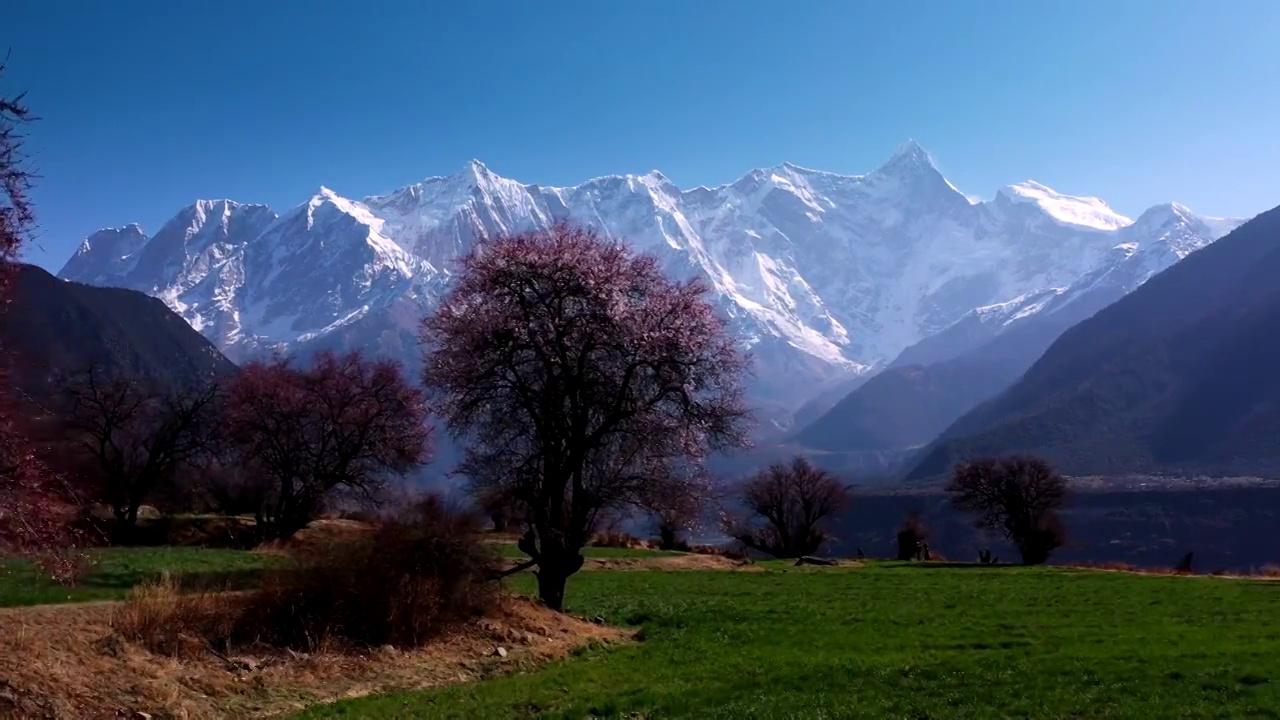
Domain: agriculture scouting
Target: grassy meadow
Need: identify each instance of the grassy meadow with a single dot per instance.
(113, 571)
(892, 640)
(878, 640)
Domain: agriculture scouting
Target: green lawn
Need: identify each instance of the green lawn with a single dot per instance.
(894, 641)
(114, 570)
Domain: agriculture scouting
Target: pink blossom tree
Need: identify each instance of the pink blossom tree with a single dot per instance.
(581, 378)
(36, 506)
(344, 424)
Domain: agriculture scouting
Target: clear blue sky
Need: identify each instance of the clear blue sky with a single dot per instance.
(148, 105)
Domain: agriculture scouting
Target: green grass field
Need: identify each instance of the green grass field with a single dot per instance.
(894, 641)
(114, 570)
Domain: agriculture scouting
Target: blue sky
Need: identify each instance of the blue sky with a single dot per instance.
(148, 105)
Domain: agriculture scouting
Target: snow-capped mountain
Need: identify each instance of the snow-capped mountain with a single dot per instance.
(1160, 237)
(825, 276)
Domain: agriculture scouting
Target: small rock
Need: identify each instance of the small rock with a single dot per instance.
(500, 652)
(112, 645)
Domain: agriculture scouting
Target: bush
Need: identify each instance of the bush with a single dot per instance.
(910, 537)
(615, 539)
(165, 620)
(401, 584)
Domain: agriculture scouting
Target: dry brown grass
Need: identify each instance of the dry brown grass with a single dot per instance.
(669, 562)
(164, 620)
(317, 535)
(690, 561)
(71, 661)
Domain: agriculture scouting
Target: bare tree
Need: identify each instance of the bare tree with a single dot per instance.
(578, 373)
(675, 508)
(342, 424)
(36, 504)
(1019, 496)
(790, 502)
(501, 509)
(136, 436)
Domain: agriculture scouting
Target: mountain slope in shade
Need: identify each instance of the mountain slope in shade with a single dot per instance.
(53, 328)
(1178, 376)
(911, 403)
(824, 276)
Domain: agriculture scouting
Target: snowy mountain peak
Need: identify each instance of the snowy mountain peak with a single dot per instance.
(104, 255)
(910, 157)
(1089, 212)
(1164, 214)
(324, 194)
(823, 275)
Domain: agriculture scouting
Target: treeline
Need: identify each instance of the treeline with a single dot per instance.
(583, 383)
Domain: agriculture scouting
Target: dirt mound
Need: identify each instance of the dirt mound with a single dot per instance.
(65, 661)
(316, 535)
(669, 562)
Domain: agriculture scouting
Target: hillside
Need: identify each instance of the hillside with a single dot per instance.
(53, 328)
(934, 382)
(1178, 376)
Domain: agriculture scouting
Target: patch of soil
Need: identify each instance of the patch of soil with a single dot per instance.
(65, 661)
(316, 535)
(689, 561)
(669, 562)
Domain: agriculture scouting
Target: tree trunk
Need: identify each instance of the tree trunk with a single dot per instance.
(667, 536)
(553, 574)
(551, 585)
(124, 530)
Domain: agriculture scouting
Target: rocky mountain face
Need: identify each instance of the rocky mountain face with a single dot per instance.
(825, 276)
(1177, 376)
(937, 380)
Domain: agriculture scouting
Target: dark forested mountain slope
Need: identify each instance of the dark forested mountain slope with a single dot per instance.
(1181, 375)
(909, 406)
(52, 328)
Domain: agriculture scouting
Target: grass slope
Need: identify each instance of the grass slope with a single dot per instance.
(115, 570)
(891, 640)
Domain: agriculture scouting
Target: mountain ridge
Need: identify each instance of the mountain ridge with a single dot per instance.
(1175, 376)
(838, 273)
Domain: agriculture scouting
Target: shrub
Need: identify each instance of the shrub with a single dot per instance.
(910, 536)
(165, 620)
(400, 585)
(615, 539)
